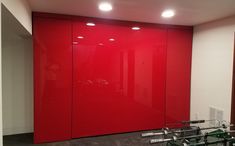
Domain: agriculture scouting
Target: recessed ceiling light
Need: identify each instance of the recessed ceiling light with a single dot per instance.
(105, 6)
(135, 28)
(111, 39)
(168, 13)
(90, 24)
(80, 37)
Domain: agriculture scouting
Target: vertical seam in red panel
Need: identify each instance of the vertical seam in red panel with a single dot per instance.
(72, 81)
(166, 47)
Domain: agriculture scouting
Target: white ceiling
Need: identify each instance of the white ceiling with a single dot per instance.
(188, 12)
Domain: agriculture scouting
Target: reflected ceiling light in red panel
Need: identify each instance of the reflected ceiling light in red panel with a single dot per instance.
(101, 44)
(111, 39)
(75, 43)
(80, 37)
(135, 28)
(90, 24)
(105, 6)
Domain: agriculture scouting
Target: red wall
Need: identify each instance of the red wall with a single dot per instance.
(113, 83)
(52, 79)
(93, 86)
(179, 52)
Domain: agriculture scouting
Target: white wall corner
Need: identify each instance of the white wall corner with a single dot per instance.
(22, 11)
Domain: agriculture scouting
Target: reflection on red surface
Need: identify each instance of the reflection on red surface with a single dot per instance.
(118, 79)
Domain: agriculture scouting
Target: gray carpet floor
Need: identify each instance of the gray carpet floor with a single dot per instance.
(126, 139)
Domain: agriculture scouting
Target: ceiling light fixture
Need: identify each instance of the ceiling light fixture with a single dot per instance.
(135, 28)
(105, 6)
(90, 24)
(168, 13)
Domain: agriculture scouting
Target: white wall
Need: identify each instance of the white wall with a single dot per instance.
(22, 12)
(1, 142)
(212, 66)
(17, 74)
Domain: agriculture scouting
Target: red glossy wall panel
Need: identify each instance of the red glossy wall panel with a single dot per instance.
(119, 84)
(52, 79)
(179, 50)
(108, 78)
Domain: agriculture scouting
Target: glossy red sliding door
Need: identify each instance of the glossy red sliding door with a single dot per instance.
(52, 79)
(179, 50)
(118, 77)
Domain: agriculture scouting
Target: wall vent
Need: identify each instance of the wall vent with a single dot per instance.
(212, 115)
(215, 114)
